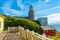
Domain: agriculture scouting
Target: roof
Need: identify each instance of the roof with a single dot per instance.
(47, 27)
(2, 16)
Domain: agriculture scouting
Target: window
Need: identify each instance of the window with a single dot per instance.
(53, 30)
(0, 24)
(46, 31)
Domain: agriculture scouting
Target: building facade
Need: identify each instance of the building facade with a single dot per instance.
(31, 14)
(1, 23)
(43, 21)
(48, 30)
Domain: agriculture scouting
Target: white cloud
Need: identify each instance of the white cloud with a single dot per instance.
(7, 4)
(7, 9)
(45, 12)
(49, 9)
(12, 12)
(19, 3)
(54, 18)
(52, 8)
(15, 12)
(46, 0)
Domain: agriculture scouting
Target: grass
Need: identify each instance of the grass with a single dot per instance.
(57, 37)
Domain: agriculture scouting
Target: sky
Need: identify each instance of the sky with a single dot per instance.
(42, 8)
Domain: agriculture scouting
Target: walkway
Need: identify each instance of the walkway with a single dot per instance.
(10, 36)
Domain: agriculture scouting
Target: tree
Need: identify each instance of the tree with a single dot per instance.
(26, 23)
(29, 24)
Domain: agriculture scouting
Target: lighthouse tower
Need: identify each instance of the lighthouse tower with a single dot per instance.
(31, 14)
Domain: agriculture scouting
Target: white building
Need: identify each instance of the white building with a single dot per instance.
(43, 21)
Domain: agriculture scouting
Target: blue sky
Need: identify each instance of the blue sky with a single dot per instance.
(42, 8)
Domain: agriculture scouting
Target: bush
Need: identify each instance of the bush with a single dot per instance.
(26, 23)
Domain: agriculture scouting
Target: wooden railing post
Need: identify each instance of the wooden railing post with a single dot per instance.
(31, 35)
(27, 34)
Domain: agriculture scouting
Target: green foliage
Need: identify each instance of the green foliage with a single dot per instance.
(26, 23)
(37, 22)
(29, 24)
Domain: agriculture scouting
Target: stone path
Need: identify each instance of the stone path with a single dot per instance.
(10, 36)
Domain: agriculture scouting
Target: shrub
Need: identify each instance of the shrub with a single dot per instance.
(26, 23)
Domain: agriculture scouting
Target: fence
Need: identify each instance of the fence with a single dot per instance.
(12, 29)
(31, 35)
